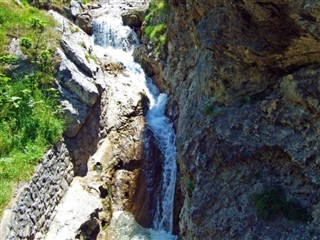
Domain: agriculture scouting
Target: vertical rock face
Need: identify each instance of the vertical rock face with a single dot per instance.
(148, 182)
(244, 78)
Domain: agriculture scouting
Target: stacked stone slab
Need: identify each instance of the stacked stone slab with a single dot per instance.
(34, 210)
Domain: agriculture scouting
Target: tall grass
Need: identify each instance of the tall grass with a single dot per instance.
(30, 116)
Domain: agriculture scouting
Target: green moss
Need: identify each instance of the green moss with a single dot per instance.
(272, 202)
(86, 1)
(212, 109)
(91, 57)
(153, 32)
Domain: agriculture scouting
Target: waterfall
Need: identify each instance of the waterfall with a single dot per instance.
(159, 124)
(118, 42)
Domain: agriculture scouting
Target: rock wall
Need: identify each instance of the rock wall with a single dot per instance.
(244, 83)
(34, 209)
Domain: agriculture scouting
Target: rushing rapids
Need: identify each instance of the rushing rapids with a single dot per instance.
(117, 42)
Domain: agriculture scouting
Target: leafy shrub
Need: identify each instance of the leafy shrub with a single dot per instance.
(8, 59)
(272, 202)
(26, 43)
(156, 19)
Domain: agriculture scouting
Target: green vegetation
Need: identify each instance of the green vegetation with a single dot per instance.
(86, 1)
(272, 202)
(156, 27)
(48, 4)
(15, 22)
(187, 184)
(30, 119)
(90, 57)
(211, 108)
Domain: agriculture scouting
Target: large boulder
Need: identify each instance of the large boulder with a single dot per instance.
(75, 114)
(133, 18)
(76, 82)
(75, 49)
(75, 8)
(77, 208)
(77, 45)
(84, 21)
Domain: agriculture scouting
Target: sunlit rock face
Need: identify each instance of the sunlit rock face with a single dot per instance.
(244, 83)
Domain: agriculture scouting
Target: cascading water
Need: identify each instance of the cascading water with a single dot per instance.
(118, 42)
(165, 137)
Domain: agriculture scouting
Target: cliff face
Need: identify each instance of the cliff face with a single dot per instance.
(244, 83)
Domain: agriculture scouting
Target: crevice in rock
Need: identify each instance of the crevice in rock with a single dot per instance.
(103, 192)
(148, 180)
(128, 165)
(90, 229)
(84, 144)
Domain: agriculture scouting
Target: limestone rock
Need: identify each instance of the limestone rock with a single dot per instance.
(77, 45)
(17, 2)
(77, 207)
(63, 24)
(77, 48)
(147, 179)
(14, 48)
(75, 115)
(75, 8)
(93, 5)
(76, 82)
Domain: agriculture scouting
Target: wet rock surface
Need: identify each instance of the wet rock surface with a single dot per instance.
(84, 21)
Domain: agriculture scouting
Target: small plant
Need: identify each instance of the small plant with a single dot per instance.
(8, 59)
(83, 44)
(155, 29)
(272, 202)
(187, 184)
(26, 43)
(92, 57)
(211, 109)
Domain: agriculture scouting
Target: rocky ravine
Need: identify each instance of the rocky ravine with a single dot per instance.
(244, 83)
(97, 166)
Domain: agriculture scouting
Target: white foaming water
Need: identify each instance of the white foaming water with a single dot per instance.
(124, 227)
(118, 42)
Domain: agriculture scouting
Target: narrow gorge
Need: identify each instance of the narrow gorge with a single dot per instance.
(184, 119)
